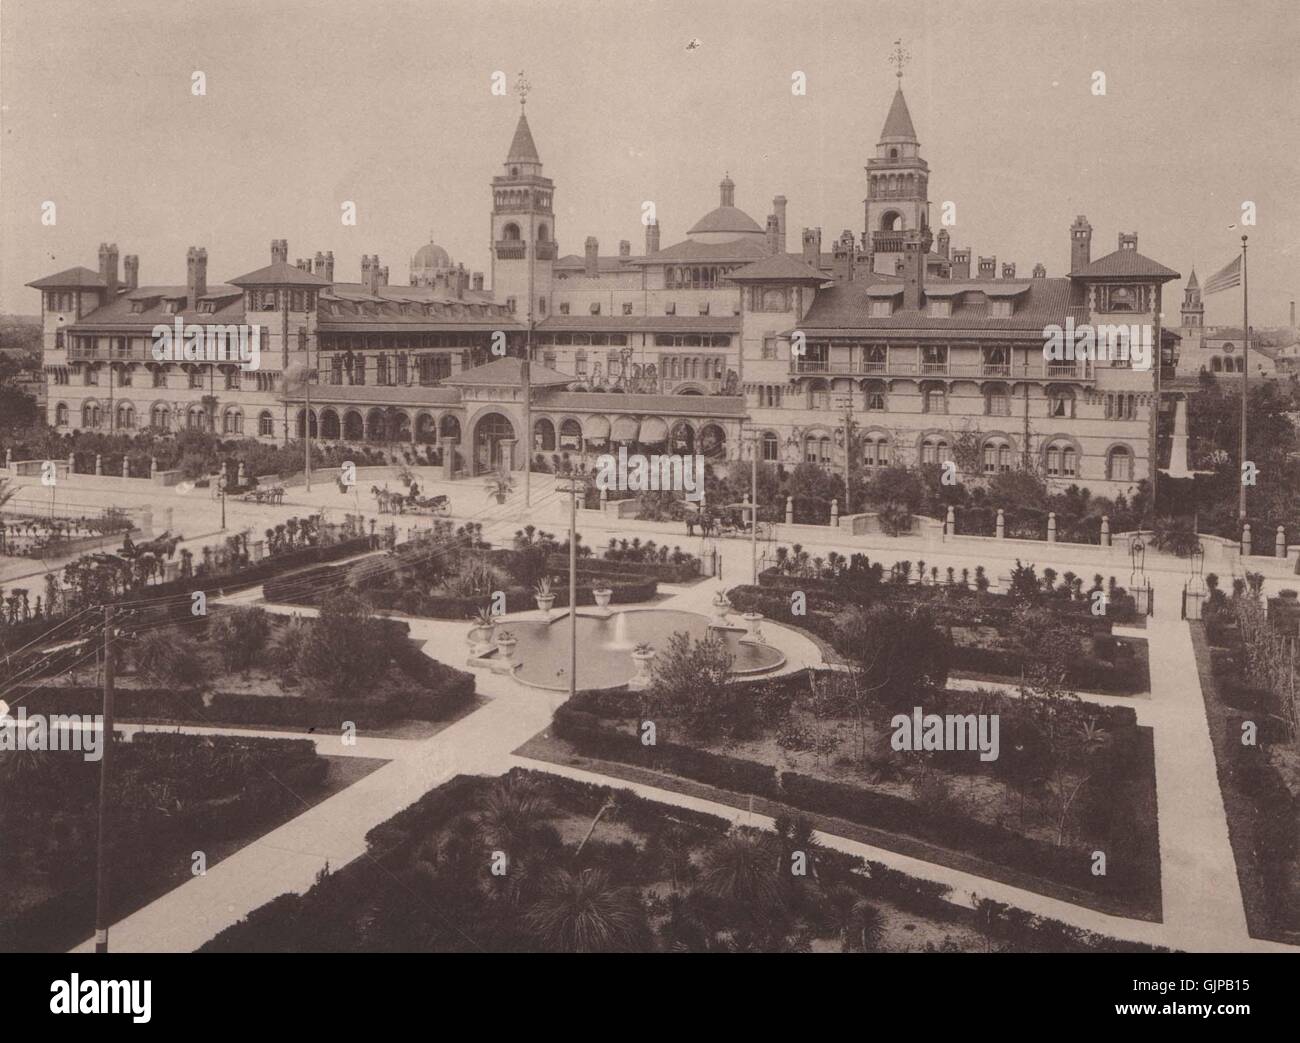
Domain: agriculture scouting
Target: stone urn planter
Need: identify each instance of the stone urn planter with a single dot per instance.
(721, 607)
(544, 596)
(643, 656)
(506, 642)
(602, 596)
(481, 635)
(754, 627)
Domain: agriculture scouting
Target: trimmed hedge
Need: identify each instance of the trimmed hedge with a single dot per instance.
(664, 571)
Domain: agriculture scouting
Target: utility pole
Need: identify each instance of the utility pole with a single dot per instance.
(525, 374)
(575, 483)
(753, 514)
(106, 739)
(1245, 375)
(306, 434)
(848, 454)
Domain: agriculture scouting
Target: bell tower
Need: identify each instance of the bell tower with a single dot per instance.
(523, 223)
(898, 182)
(1193, 313)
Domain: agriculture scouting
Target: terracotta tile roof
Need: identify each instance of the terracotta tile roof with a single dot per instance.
(281, 273)
(898, 124)
(118, 312)
(522, 147)
(779, 267)
(506, 372)
(613, 402)
(640, 323)
(71, 278)
(690, 250)
(725, 219)
(1126, 264)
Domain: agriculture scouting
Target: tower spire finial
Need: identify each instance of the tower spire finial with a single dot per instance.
(522, 87)
(899, 58)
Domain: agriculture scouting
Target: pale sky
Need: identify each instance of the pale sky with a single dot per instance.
(389, 104)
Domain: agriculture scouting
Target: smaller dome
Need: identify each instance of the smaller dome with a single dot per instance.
(431, 255)
(726, 219)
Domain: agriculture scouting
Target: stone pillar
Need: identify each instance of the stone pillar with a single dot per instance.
(1105, 530)
(1279, 546)
(449, 457)
(99, 465)
(950, 523)
(242, 475)
(789, 510)
(508, 453)
(153, 466)
(171, 570)
(1051, 527)
(1002, 525)
(835, 513)
(1245, 540)
(72, 464)
(259, 549)
(9, 459)
(126, 467)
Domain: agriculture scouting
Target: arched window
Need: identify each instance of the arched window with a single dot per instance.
(1061, 403)
(160, 418)
(874, 396)
(61, 414)
(90, 415)
(934, 399)
(875, 451)
(196, 418)
(1061, 460)
(1119, 464)
(544, 435)
(232, 421)
(510, 233)
(771, 446)
(997, 402)
(1216, 364)
(997, 455)
(542, 233)
(817, 448)
(819, 395)
(265, 423)
(125, 416)
(935, 450)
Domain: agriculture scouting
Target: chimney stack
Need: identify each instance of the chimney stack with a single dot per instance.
(944, 243)
(196, 274)
(462, 281)
(478, 281)
(131, 265)
(319, 268)
(328, 273)
(961, 263)
(845, 253)
(370, 273)
(591, 264)
(624, 248)
(1008, 269)
(773, 234)
(652, 237)
(279, 251)
(812, 247)
(778, 208)
(1080, 244)
(988, 268)
(108, 267)
(916, 248)
(1292, 312)
(1040, 271)
(1128, 241)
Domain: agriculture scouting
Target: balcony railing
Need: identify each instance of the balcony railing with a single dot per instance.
(511, 249)
(1037, 370)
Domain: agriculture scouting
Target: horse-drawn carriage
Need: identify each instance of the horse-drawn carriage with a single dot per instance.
(272, 494)
(412, 502)
(732, 519)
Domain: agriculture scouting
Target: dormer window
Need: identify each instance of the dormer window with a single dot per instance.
(882, 309)
(627, 307)
(564, 307)
(1000, 309)
(595, 307)
(207, 307)
(137, 307)
(173, 306)
(704, 308)
(939, 308)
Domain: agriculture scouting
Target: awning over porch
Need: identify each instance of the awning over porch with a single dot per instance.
(596, 429)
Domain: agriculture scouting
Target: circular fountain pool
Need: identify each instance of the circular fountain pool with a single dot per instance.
(605, 647)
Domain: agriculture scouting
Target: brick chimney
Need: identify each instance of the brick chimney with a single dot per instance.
(652, 237)
(328, 271)
(196, 274)
(961, 263)
(131, 266)
(916, 248)
(812, 246)
(383, 273)
(624, 248)
(462, 281)
(845, 254)
(1128, 241)
(370, 273)
(478, 281)
(279, 251)
(1080, 244)
(108, 267)
(1040, 271)
(773, 234)
(944, 242)
(778, 208)
(591, 262)
(988, 268)
(1008, 269)
(319, 267)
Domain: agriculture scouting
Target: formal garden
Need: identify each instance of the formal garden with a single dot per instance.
(172, 796)
(450, 572)
(1245, 649)
(245, 666)
(534, 863)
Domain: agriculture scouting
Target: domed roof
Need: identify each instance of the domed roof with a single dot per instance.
(726, 219)
(431, 255)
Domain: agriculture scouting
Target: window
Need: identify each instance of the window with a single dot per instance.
(769, 348)
(1119, 464)
(670, 308)
(195, 377)
(90, 415)
(771, 446)
(627, 307)
(580, 363)
(125, 416)
(1061, 403)
(1061, 460)
(160, 418)
(61, 414)
(564, 307)
(510, 304)
(232, 378)
(265, 423)
(817, 448)
(92, 376)
(934, 450)
(875, 451)
(819, 395)
(874, 395)
(997, 456)
(124, 376)
(594, 308)
(934, 400)
(232, 421)
(934, 358)
(704, 307)
(997, 402)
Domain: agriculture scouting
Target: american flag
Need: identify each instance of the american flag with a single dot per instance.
(1225, 278)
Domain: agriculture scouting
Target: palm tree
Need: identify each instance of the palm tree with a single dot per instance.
(858, 922)
(583, 912)
(739, 868)
(512, 812)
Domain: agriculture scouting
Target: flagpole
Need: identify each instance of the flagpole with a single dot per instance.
(1245, 373)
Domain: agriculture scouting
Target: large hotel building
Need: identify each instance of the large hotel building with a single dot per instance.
(731, 334)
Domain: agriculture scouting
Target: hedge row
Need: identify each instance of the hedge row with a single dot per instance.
(1071, 866)
(664, 571)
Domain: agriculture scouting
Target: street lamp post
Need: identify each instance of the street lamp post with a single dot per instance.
(575, 482)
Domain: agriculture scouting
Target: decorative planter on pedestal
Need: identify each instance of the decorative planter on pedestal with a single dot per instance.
(721, 606)
(545, 602)
(754, 626)
(504, 662)
(602, 597)
(480, 641)
(643, 656)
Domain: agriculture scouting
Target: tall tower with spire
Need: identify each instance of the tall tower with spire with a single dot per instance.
(523, 224)
(1193, 313)
(898, 182)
